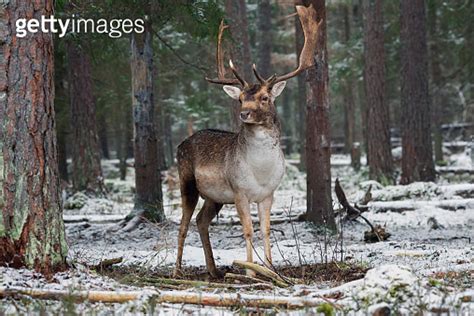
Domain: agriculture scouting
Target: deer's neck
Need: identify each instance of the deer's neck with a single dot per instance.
(255, 138)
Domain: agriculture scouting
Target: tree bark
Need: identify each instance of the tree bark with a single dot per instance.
(149, 196)
(31, 226)
(318, 138)
(86, 168)
(436, 95)
(301, 97)
(377, 113)
(417, 153)
(264, 38)
(103, 137)
(349, 97)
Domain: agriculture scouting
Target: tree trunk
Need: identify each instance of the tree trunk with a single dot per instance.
(31, 226)
(436, 95)
(264, 38)
(466, 59)
(286, 123)
(62, 157)
(377, 119)
(236, 12)
(168, 138)
(159, 123)
(318, 138)
(86, 169)
(301, 97)
(148, 199)
(349, 96)
(103, 137)
(417, 154)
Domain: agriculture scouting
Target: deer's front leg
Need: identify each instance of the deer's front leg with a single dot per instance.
(243, 209)
(264, 209)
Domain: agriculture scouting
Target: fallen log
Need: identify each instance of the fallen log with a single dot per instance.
(170, 297)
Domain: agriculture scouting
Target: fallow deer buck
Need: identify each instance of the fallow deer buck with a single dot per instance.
(244, 167)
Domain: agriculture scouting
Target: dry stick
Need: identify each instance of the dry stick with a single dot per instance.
(172, 297)
(279, 281)
(352, 212)
(107, 263)
(284, 278)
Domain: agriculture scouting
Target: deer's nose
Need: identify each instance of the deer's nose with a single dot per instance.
(244, 115)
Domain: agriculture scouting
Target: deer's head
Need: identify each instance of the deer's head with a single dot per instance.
(257, 99)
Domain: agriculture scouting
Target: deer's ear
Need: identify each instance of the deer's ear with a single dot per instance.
(277, 89)
(232, 92)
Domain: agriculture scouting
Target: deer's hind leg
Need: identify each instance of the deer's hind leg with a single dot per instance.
(204, 218)
(189, 198)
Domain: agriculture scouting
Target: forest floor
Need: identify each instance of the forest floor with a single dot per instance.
(427, 264)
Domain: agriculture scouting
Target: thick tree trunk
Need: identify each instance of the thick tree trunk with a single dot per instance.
(301, 97)
(318, 138)
(31, 226)
(417, 153)
(236, 12)
(148, 199)
(377, 120)
(264, 38)
(86, 169)
(436, 95)
(4, 41)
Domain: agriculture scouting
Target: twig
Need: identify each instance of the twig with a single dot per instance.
(175, 53)
(295, 234)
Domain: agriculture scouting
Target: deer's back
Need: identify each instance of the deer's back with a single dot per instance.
(202, 159)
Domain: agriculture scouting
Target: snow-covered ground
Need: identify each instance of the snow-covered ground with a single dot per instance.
(428, 261)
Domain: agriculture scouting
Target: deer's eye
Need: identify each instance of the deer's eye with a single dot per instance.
(265, 98)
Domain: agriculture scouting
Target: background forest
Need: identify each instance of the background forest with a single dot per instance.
(90, 127)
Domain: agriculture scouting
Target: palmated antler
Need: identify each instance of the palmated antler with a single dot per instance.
(307, 16)
(221, 79)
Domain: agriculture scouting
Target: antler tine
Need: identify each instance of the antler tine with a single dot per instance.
(236, 74)
(307, 16)
(220, 61)
(257, 75)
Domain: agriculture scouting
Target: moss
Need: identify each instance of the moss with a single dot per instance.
(326, 309)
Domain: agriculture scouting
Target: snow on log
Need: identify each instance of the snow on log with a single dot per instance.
(171, 297)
